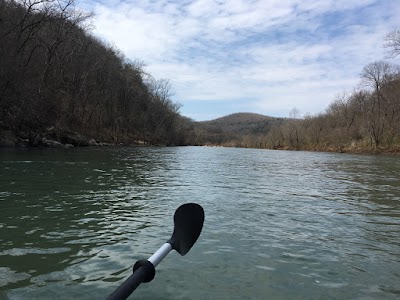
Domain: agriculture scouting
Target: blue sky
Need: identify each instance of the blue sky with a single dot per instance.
(266, 57)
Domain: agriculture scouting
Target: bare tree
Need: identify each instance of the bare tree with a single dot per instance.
(393, 42)
(377, 75)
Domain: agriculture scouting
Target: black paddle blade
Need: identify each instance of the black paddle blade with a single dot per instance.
(188, 222)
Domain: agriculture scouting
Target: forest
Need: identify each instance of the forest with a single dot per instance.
(60, 83)
(366, 120)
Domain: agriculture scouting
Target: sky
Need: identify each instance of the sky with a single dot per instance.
(260, 56)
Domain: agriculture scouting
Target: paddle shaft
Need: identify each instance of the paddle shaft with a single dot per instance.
(140, 274)
(160, 254)
(129, 285)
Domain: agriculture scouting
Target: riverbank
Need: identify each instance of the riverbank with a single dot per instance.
(352, 149)
(51, 138)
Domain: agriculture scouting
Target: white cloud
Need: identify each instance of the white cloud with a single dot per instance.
(275, 54)
(202, 8)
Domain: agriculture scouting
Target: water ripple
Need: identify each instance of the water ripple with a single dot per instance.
(290, 225)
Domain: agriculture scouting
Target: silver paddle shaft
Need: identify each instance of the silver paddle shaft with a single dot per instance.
(160, 254)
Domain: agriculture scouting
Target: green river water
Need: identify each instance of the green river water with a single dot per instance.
(278, 225)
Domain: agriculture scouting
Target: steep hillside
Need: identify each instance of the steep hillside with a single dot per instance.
(56, 78)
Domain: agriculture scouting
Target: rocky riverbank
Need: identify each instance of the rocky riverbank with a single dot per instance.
(49, 138)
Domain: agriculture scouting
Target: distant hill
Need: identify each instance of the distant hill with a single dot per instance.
(234, 128)
(243, 123)
(240, 118)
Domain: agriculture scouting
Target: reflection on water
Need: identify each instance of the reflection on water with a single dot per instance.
(279, 224)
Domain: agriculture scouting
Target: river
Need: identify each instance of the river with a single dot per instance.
(278, 224)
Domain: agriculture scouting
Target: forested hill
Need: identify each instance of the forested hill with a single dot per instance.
(58, 80)
(234, 130)
(243, 123)
(239, 118)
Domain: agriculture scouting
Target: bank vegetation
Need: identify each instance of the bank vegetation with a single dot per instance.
(366, 120)
(58, 81)
(59, 84)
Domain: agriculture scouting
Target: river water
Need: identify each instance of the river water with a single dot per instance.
(279, 224)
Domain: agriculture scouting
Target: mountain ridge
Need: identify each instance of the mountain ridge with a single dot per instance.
(240, 117)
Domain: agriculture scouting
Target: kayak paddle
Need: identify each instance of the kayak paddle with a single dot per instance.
(188, 222)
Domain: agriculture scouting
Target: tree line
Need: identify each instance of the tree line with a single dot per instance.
(367, 119)
(55, 76)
